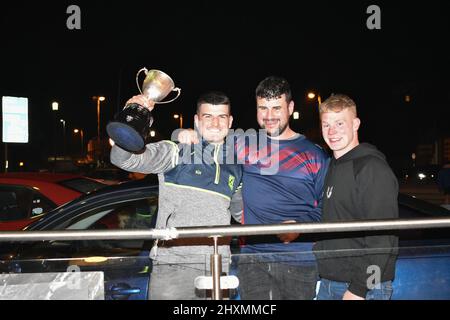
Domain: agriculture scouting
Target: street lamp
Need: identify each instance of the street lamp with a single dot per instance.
(55, 107)
(81, 138)
(64, 135)
(179, 116)
(312, 95)
(99, 99)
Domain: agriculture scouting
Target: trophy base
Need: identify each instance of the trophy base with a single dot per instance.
(125, 136)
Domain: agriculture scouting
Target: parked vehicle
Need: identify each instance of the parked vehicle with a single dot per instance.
(423, 266)
(26, 196)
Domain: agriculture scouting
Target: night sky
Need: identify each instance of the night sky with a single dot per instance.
(229, 46)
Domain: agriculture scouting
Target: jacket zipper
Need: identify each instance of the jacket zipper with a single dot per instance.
(216, 161)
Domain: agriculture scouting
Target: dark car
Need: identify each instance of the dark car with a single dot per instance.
(125, 263)
(423, 266)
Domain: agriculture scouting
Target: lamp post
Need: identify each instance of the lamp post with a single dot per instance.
(312, 95)
(64, 135)
(313, 131)
(81, 138)
(99, 99)
(179, 116)
(55, 107)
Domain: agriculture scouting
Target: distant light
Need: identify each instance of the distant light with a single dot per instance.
(75, 130)
(311, 95)
(407, 98)
(176, 116)
(421, 176)
(55, 106)
(6, 164)
(21, 164)
(152, 133)
(432, 175)
(62, 120)
(111, 142)
(296, 115)
(101, 98)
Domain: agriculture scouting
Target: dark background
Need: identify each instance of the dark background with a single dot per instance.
(230, 46)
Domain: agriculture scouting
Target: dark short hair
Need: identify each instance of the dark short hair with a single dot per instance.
(274, 87)
(214, 98)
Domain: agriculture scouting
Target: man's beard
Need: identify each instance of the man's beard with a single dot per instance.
(277, 132)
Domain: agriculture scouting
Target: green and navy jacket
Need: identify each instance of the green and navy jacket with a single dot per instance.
(196, 188)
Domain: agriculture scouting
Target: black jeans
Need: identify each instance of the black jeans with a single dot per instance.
(261, 280)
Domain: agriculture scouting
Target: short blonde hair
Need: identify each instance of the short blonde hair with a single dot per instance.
(337, 103)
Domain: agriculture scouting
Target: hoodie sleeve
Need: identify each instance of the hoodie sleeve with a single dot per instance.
(157, 158)
(377, 194)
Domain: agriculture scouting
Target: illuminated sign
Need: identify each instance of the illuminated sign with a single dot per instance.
(15, 119)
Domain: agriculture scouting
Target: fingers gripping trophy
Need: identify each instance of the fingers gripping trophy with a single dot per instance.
(131, 126)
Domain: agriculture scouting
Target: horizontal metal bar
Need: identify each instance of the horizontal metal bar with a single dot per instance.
(316, 227)
(238, 230)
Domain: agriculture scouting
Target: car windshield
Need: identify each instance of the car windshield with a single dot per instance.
(82, 185)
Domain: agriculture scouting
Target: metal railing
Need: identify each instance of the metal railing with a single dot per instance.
(216, 232)
(222, 231)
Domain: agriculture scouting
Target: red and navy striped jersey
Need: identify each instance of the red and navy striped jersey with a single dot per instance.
(283, 180)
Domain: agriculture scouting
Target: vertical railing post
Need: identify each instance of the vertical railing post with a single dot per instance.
(216, 269)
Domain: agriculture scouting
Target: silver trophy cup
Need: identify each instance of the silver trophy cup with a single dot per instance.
(131, 127)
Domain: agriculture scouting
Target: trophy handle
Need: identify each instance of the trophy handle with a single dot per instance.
(178, 94)
(137, 78)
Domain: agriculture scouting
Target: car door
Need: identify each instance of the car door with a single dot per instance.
(125, 264)
(422, 269)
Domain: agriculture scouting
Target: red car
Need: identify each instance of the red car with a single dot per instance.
(24, 197)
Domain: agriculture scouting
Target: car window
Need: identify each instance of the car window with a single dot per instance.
(109, 174)
(82, 185)
(136, 214)
(15, 203)
(40, 204)
(19, 202)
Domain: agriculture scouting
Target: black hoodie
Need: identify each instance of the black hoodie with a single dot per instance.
(360, 185)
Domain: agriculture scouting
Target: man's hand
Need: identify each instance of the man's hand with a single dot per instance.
(188, 136)
(350, 296)
(142, 101)
(288, 237)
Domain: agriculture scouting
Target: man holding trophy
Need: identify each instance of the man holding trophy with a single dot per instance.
(196, 188)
